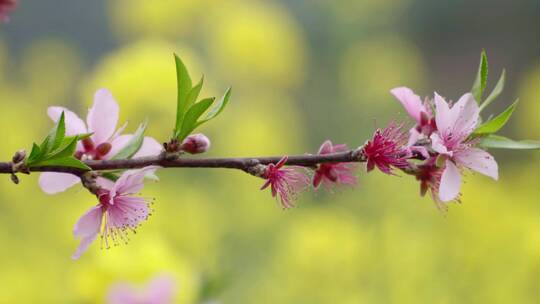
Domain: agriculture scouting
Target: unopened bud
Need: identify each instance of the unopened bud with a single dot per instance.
(19, 156)
(196, 143)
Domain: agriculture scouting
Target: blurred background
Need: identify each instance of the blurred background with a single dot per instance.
(302, 72)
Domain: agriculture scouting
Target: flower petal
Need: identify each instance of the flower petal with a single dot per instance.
(74, 124)
(89, 224)
(438, 144)
(479, 161)
(450, 182)
(410, 101)
(443, 117)
(131, 181)
(52, 182)
(465, 114)
(414, 136)
(83, 246)
(150, 147)
(103, 116)
(118, 144)
(326, 148)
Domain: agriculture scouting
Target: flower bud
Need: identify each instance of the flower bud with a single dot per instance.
(196, 143)
(103, 148)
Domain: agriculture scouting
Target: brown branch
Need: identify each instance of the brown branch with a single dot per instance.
(175, 161)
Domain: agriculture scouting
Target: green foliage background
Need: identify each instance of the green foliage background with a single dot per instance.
(302, 72)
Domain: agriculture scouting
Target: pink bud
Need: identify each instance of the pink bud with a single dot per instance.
(196, 143)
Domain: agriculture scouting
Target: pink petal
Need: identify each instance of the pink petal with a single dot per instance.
(410, 101)
(414, 136)
(450, 182)
(87, 228)
(89, 224)
(438, 145)
(131, 181)
(479, 161)
(150, 147)
(160, 290)
(103, 116)
(443, 117)
(123, 294)
(74, 125)
(465, 113)
(52, 183)
(104, 183)
(326, 148)
(118, 144)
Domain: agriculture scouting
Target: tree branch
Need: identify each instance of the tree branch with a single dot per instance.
(175, 161)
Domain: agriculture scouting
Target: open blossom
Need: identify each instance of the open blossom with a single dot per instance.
(118, 212)
(285, 182)
(104, 142)
(419, 111)
(334, 173)
(455, 125)
(6, 7)
(387, 149)
(160, 290)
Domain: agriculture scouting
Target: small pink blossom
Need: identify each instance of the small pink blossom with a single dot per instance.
(160, 290)
(387, 149)
(285, 182)
(195, 144)
(334, 173)
(104, 142)
(6, 7)
(117, 212)
(419, 111)
(455, 125)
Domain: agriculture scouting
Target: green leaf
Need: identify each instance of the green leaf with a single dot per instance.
(63, 162)
(501, 142)
(496, 123)
(35, 154)
(481, 78)
(190, 100)
(55, 137)
(110, 176)
(219, 107)
(133, 145)
(66, 149)
(192, 115)
(496, 91)
(183, 86)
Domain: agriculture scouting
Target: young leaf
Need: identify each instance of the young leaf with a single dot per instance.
(133, 145)
(66, 149)
(191, 98)
(192, 115)
(55, 137)
(64, 162)
(183, 86)
(481, 78)
(501, 142)
(496, 123)
(496, 91)
(219, 107)
(34, 155)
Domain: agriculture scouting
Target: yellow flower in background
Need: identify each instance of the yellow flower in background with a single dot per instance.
(163, 18)
(256, 44)
(371, 66)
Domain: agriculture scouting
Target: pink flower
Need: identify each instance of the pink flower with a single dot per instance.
(6, 7)
(419, 111)
(338, 173)
(455, 124)
(160, 290)
(287, 182)
(387, 149)
(117, 212)
(104, 143)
